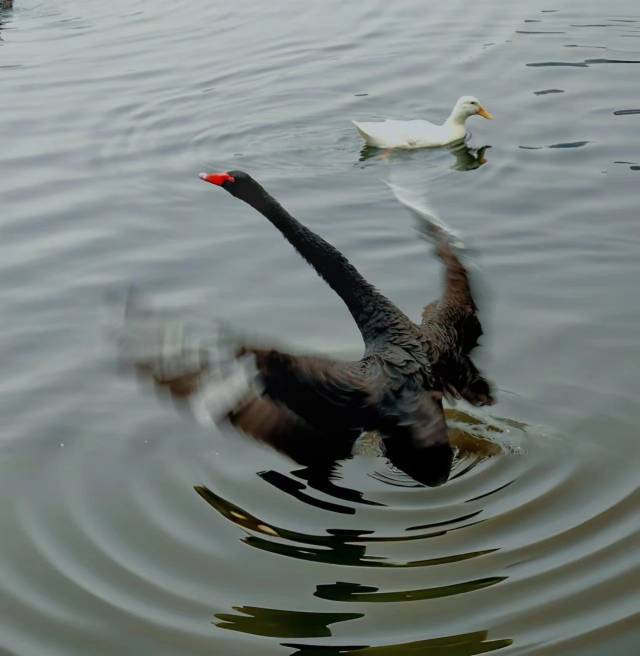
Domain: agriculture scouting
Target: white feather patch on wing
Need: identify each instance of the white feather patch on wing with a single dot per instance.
(193, 359)
(224, 390)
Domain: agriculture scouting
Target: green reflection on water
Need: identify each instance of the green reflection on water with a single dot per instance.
(281, 623)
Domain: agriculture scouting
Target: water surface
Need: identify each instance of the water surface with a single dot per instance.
(128, 528)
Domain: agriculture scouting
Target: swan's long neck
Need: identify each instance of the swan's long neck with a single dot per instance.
(372, 312)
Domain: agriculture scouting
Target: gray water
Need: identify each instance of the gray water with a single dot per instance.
(129, 529)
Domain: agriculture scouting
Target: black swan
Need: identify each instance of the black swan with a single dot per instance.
(313, 408)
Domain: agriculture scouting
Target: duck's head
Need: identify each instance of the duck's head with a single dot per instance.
(467, 106)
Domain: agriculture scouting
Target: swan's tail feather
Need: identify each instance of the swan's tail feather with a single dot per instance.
(195, 362)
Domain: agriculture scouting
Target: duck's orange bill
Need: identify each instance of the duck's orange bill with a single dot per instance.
(484, 113)
(217, 178)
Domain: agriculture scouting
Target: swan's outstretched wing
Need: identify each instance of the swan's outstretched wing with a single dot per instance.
(428, 223)
(291, 403)
(454, 329)
(451, 323)
(455, 314)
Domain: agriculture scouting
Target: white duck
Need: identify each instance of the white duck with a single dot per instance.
(422, 134)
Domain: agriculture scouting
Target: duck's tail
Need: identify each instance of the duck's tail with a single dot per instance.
(361, 131)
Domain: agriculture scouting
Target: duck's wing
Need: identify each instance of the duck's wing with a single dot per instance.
(299, 405)
(419, 444)
(398, 134)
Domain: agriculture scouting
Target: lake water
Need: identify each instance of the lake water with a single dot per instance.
(129, 529)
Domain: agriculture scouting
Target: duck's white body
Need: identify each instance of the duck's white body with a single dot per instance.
(409, 134)
(419, 133)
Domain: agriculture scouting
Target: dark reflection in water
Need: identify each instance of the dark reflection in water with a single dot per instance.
(282, 623)
(343, 591)
(295, 489)
(320, 481)
(569, 144)
(317, 481)
(558, 63)
(466, 158)
(338, 547)
(353, 555)
(584, 64)
(465, 644)
(633, 166)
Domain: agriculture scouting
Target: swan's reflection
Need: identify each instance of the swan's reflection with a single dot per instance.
(348, 547)
(464, 644)
(281, 623)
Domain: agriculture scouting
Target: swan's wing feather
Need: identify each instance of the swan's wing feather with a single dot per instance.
(277, 398)
(452, 322)
(320, 390)
(457, 307)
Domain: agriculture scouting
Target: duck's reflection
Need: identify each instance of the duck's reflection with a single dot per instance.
(466, 158)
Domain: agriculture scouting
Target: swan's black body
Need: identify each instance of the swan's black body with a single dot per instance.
(314, 408)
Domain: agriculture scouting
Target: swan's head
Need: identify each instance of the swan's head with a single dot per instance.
(468, 106)
(242, 186)
(237, 183)
(219, 179)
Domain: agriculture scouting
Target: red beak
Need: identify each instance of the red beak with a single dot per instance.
(217, 178)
